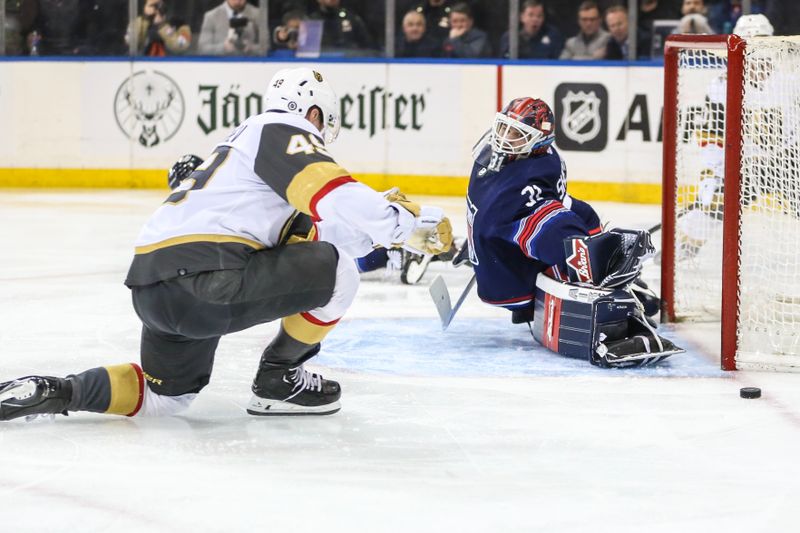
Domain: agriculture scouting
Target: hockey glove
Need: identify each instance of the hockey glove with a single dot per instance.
(431, 232)
(609, 260)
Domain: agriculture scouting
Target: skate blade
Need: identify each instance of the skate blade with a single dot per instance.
(414, 270)
(18, 390)
(263, 407)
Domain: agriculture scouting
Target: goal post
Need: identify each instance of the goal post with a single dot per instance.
(731, 194)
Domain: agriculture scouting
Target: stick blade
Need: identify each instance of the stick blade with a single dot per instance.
(441, 299)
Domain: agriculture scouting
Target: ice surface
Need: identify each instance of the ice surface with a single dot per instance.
(472, 430)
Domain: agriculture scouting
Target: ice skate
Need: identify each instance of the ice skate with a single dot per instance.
(414, 267)
(34, 395)
(281, 390)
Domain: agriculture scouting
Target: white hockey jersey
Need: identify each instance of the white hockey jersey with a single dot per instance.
(243, 197)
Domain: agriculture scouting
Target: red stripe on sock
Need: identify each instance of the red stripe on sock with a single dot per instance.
(317, 321)
(140, 376)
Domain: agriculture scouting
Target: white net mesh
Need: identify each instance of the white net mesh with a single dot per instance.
(700, 171)
(769, 243)
(769, 295)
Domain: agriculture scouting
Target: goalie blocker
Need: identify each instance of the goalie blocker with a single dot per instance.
(601, 315)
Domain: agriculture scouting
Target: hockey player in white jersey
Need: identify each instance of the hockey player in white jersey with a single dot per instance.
(704, 215)
(267, 228)
(410, 265)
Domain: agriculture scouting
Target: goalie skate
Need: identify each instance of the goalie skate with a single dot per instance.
(641, 350)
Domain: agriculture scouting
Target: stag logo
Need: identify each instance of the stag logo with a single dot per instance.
(149, 106)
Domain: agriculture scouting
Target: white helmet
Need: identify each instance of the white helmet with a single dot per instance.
(296, 90)
(753, 26)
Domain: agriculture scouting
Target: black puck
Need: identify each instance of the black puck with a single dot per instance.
(750, 392)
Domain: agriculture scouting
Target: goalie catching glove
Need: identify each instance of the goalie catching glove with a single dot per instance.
(608, 260)
(421, 229)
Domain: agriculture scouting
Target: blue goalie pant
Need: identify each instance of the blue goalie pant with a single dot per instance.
(607, 327)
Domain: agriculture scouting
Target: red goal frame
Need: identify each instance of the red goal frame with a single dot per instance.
(729, 269)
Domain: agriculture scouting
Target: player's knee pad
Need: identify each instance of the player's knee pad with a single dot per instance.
(344, 292)
(609, 259)
(607, 327)
(159, 405)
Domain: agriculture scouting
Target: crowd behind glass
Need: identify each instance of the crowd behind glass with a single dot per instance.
(548, 29)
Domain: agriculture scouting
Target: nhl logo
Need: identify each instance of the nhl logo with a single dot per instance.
(582, 115)
(581, 119)
(149, 106)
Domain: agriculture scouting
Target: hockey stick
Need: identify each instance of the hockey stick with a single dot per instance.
(441, 299)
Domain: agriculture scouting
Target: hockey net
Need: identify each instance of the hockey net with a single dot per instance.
(731, 220)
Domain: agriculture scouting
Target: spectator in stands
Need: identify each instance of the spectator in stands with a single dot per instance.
(415, 41)
(617, 23)
(694, 23)
(465, 40)
(52, 27)
(591, 41)
(690, 7)
(285, 36)
(342, 29)
(537, 38)
(231, 29)
(155, 34)
(437, 17)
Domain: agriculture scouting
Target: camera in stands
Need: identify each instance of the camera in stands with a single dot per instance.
(237, 24)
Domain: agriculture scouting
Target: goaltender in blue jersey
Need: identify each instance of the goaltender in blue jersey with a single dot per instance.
(543, 254)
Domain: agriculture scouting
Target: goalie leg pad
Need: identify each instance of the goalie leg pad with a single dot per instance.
(605, 327)
(563, 318)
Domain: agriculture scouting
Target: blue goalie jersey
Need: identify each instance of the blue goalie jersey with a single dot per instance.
(517, 219)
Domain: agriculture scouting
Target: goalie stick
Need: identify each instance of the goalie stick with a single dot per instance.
(441, 298)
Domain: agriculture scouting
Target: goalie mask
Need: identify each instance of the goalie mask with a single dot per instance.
(524, 127)
(297, 90)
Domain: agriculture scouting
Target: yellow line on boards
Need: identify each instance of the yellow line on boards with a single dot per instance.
(88, 178)
(91, 178)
